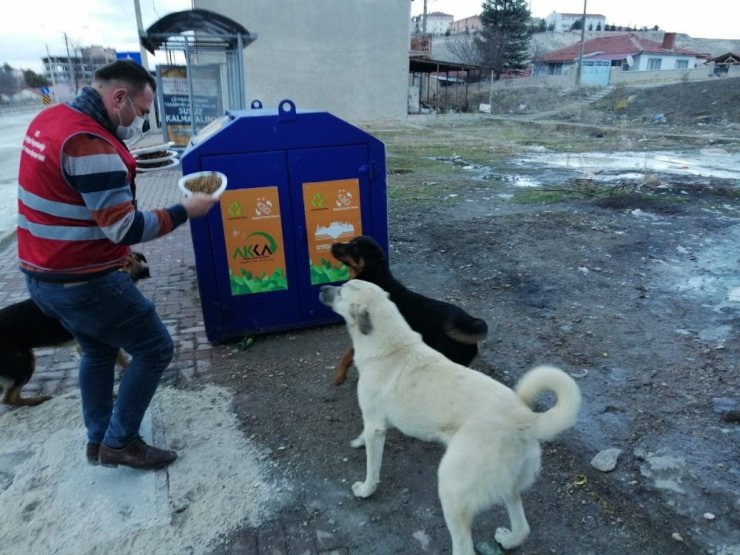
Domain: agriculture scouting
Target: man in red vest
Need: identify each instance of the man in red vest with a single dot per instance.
(76, 221)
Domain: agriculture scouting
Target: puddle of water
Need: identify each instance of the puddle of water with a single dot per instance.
(717, 163)
(541, 168)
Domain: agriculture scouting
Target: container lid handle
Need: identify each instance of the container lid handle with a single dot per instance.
(286, 108)
(256, 104)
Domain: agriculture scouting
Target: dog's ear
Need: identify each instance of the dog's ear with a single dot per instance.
(362, 318)
(366, 325)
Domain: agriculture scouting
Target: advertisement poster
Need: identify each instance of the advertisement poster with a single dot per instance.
(176, 99)
(333, 214)
(254, 240)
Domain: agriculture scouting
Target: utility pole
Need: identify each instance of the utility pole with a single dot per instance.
(580, 53)
(424, 22)
(53, 80)
(139, 31)
(72, 66)
(143, 53)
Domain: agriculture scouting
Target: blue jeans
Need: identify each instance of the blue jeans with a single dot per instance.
(105, 315)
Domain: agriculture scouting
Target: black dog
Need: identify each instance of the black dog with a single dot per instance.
(443, 326)
(24, 327)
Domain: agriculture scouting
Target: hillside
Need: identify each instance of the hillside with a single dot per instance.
(547, 42)
(714, 102)
(712, 47)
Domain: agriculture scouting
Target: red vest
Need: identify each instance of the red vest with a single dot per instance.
(48, 254)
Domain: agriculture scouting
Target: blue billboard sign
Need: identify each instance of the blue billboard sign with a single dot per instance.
(135, 56)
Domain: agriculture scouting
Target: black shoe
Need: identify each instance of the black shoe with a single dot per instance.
(91, 451)
(136, 454)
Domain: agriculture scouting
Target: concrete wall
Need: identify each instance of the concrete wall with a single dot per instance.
(349, 58)
(619, 77)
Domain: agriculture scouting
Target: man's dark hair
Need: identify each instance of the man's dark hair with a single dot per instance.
(127, 71)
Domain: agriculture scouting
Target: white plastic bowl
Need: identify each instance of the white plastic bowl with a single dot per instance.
(146, 161)
(153, 148)
(173, 163)
(185, 178)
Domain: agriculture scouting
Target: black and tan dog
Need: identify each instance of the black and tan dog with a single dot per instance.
(443, 326)
(24, 327)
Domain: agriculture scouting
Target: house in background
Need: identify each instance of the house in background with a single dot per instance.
(560, 22)
(438, 23)
(630, 52)
(723, 63)
(470, 24)
(70, 73)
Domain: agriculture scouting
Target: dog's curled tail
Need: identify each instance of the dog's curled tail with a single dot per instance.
(468, 331)
(565, 411)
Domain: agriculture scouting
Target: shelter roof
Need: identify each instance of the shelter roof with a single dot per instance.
(426, 65)
(200, 28)
(731, 58)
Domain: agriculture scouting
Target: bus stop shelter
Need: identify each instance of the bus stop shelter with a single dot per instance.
(204, 72)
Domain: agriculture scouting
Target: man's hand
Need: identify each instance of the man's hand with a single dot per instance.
(198, 204)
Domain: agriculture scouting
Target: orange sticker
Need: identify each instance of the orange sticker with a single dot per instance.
(333, 214)
(254, 240)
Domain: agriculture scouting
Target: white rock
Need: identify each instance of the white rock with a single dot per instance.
(709, 516)
(606, 460)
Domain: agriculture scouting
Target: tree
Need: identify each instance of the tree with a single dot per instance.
(503, 41)
(536, 27)
(34, 80)
(463, 46)
(8, 80)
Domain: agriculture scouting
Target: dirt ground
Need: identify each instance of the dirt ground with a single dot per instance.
(631, 288)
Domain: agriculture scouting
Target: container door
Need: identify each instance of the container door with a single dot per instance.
(331, 200)
(253, 248)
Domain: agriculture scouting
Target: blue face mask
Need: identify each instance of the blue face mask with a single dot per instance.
(124, 132)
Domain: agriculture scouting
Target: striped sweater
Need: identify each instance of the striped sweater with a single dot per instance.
(76, 210)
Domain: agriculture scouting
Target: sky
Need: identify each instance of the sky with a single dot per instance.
(29, 26)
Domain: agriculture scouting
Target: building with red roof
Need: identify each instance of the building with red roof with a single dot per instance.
(629, 51)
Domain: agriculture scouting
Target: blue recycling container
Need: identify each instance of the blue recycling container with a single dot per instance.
(297, 181)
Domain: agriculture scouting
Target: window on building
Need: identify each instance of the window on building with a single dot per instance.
(682, 64)
(653, 64)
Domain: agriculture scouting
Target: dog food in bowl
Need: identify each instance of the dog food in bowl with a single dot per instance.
(208, 182)
(204, 184)
(153, 155)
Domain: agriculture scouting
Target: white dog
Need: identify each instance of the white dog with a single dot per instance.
(491, 433)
